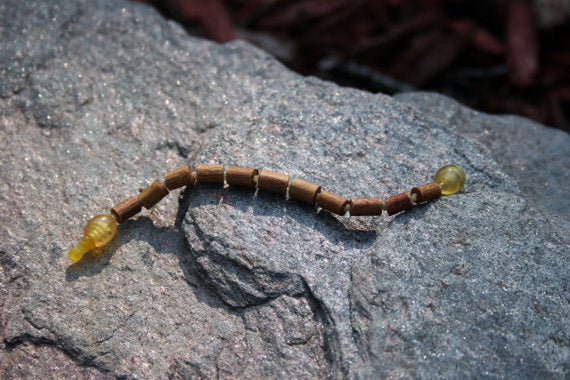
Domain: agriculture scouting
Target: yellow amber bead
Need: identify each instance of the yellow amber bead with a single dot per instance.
(451, 178)
(98, 232)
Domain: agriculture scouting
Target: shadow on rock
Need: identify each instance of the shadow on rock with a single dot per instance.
(91, 264)
(267, 204)
(416, 213)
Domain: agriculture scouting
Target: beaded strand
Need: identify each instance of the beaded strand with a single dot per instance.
(102, 228)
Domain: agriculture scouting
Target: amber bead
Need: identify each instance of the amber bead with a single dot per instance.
(451, 178)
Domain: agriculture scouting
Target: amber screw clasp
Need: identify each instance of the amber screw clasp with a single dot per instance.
(98, 232)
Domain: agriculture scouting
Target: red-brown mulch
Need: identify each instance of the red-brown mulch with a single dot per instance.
(490, 55)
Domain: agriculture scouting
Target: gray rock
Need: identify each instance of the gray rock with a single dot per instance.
(232, 283)
(537, 157)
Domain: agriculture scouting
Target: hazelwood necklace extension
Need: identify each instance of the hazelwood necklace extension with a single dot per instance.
(102, 228)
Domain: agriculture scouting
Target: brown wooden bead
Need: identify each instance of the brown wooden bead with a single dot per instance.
(241, 176)
(332, 202)
(273, 181)
(303, 190)
(126, 209)
(365, 206)
(398, 203)
(152, 194)
(178, 178)
(426, 192)
(210, 173)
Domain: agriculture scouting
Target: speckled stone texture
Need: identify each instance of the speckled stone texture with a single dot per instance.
(535, 156)
(99, 98)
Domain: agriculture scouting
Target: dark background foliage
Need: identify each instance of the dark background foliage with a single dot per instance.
(500, 56)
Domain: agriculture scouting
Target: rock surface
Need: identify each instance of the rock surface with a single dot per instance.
(535, 156)
(101, 97)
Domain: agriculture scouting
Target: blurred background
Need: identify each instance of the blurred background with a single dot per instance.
(497, 56)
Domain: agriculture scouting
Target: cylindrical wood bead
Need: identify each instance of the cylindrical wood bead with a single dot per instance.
(273, 181)
(178, 178)
(332, 202)
(303, 190)
(210, 173)
(365, 206)
(126, 209)
(426, 192)
(152, 194)
(241, 176)
(398, 203)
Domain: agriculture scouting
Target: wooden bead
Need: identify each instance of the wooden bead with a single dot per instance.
(210, 173)
(178, 178)
(241, 176)
(126, 209)
(365, 206)
(273, 181)
(426, 192)
(398, 203)
(152, 194)
(332, 202)
(303, 190)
